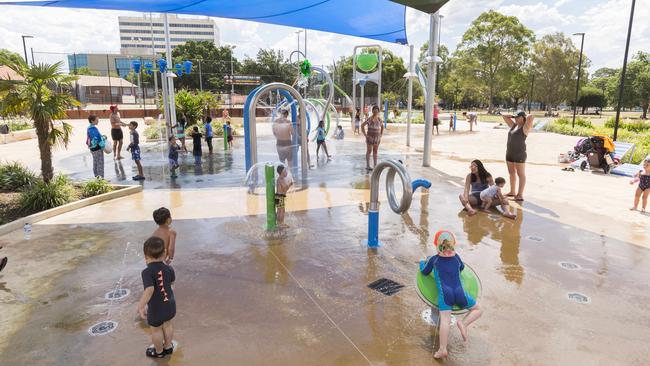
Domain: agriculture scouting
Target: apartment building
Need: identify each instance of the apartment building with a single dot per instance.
(139, 35)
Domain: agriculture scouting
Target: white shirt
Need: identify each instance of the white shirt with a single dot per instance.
(489, 192)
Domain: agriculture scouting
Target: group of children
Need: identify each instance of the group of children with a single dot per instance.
(197, 136)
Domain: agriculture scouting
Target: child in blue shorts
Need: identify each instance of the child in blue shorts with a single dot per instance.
(134, 147)
(447, 266)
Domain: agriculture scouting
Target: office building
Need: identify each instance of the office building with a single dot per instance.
(136, 33)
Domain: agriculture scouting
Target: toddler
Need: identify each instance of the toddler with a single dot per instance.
(490, 193)
(157, 304)
(173, 156)
(446, 266)
(196, 145)
(643, 177)
(281, 188)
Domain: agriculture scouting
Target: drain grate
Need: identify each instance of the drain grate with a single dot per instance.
(579, 298)
(102, 328)
(569, 265)
(535, 238)
(118, 294)
(386, 286)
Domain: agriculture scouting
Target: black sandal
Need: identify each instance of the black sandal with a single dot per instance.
(151, 352)
(168, 351)
(3, 263)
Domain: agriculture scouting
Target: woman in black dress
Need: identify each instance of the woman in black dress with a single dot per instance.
(520, 125)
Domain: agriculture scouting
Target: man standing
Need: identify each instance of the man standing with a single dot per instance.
(283, 132)
(116, 132)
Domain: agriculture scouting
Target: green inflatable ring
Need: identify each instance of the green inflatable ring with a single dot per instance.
(428, 290)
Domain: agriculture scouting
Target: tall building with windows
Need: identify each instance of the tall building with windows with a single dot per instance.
(136, 33)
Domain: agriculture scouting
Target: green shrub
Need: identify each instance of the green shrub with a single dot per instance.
(20, 125)
(634, 126)
(43, 196)
(152, 132)
(583, 122)
(15, 177)
(96, 187)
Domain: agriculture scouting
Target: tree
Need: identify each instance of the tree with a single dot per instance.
(84, 70)
(271, 66)
(637, 84)
(9, 57)
(214, 65)
(554, 61)
(192, 105)
(591, 97)
(496, 45)
(41, 96)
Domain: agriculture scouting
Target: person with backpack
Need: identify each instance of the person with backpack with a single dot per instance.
(95, 142)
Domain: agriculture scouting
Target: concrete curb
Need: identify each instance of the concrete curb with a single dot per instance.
(40, 216)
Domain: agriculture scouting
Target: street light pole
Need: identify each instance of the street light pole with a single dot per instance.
(532, 90)
(575, 101)
(232, 75)
(25, 47)
(622, 86)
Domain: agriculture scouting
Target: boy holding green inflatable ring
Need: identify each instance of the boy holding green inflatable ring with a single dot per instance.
(446, 267)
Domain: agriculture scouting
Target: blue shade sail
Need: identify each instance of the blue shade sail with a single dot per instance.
(380, 20)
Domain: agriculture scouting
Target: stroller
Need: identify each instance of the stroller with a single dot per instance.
(596, 153)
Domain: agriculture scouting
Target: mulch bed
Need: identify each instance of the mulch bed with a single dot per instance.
(9, 208)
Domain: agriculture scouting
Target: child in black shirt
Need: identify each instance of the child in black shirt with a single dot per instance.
(134, 147)
(196, 139)
(157, 279)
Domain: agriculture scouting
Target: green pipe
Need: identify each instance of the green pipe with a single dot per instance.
(322, 88)
(269, 172)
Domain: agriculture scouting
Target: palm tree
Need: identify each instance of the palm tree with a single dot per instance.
(43, 97)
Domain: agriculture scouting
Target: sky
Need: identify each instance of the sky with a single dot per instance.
(605, 23)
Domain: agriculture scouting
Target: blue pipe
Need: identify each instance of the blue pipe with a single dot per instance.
(385, 112)
(420, 183)
(373, 229)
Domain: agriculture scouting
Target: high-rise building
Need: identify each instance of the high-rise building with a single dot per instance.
(136, 33)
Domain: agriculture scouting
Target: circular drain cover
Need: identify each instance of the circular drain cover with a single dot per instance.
(579, 298)
(535, 238)
(569, 265)
(102, 328)
(118, 294)
(433, 317)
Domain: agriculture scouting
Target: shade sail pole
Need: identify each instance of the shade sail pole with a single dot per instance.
(431, 86)
(170, 79)
(410, 98)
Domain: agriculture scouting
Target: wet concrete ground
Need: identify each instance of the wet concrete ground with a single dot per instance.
(301, 298)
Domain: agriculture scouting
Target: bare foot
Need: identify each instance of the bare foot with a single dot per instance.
(511, 194)
(632, 208)
(485, 209)
(462, 329)
(510, 216)
(441, 353)
(471, 212)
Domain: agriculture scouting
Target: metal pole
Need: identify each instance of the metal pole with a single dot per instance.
(431, 84)
(110, 87)
(410, 98)
(232, 79)
(575, 101)
(622, 86)
(170, 80)
(25, 50)
(305, 42)
(200, 76)
(32, 49)
(153, 59)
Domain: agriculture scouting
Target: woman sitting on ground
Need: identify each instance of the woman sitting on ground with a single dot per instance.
(476, 181)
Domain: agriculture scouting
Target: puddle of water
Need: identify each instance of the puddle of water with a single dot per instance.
(432, 317)
(534, 238)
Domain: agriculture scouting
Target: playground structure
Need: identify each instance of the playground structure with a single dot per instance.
(408, 187)
(366, 67)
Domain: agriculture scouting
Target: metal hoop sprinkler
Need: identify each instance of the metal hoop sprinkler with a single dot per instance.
(408, 186)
